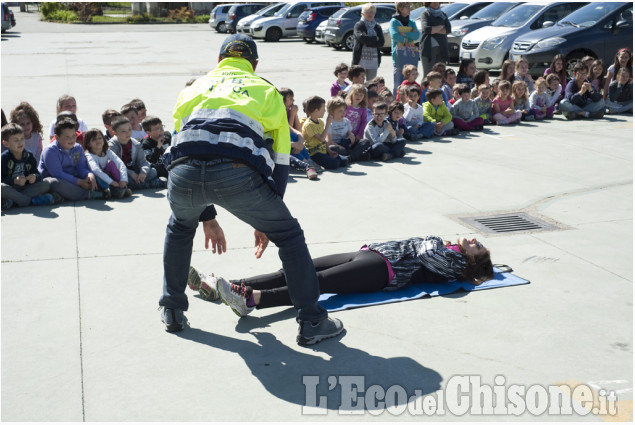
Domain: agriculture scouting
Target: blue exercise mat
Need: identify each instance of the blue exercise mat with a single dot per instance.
(337, 302)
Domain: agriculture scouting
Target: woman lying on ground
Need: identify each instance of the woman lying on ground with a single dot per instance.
(375, 267)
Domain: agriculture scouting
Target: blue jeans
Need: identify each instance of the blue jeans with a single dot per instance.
(591, 107)
(243, 192)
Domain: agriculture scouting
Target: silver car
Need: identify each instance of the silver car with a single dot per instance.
(244, 24)
(217, 17)
(489, 46)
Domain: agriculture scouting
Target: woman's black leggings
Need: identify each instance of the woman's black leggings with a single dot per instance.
(353, 272)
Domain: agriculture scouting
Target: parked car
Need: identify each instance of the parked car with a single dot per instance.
(456, 11)
(482, 18)
(285, 20)
(597, 29)
(217, 17)
(239, 11)
(243, 25)
(8, 20)
(339, 29)
(489, 46)
(319, 32)
(462, 10)
(311, 18)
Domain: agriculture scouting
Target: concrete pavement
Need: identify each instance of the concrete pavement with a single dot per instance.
(81, 336)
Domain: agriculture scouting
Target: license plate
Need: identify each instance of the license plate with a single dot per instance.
(466, 56)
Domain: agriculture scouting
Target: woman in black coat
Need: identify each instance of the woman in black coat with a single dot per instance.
(369, 38)
(435, 27)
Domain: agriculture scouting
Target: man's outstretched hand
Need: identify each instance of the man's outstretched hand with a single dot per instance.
(214, 233)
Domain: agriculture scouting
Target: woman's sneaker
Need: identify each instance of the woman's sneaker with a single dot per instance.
(235, 296)
(312, 333)
(46, 199)
(311, 173)
(204, 284)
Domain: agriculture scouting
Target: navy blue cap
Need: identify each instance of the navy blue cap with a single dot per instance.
(239, 46)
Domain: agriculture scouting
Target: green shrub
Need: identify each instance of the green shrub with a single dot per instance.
(47, 8)
(64, 16)
(140, 19)
(182, 15)
(202, 19)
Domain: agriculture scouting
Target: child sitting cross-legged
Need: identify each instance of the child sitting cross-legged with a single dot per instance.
(382, 137)
(435, 111)
(503, 111)
(140, 174)
(395, 118)
(154, 144)
(539, 100)
(108, 168)
(340, 135)
(315, 131)
(620, 97)
(22, 184)
(416, 127)
(63, 165)
(521, 101)
(465, 111)
(484, 103)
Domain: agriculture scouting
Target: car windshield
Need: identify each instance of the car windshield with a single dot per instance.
(588, 15)
(492, 11)
(284, 9)
(269, 11)
(518, 16)
(452, 8)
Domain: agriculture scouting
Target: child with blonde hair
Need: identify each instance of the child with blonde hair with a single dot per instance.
(484, 103)
(539, 100)
(520, 95)
(503, 111)
(67, 102)
(27, 117)
(357, 101)
(340, 137)
(522, 74)
(410, 74)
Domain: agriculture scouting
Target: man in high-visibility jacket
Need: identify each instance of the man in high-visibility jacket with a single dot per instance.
(232, 149)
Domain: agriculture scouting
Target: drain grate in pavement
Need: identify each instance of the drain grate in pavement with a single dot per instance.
(508, 223)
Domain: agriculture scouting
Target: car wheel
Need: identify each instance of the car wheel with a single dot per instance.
(349, 41)
(221, 27)
(307, 39)
(572, 60)
(273, 34)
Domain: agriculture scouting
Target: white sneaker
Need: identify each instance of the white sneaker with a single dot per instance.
(234, 296)
(205, 284)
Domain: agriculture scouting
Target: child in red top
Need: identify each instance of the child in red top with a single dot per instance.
(410, 73)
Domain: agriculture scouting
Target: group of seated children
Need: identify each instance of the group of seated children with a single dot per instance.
(80, 163)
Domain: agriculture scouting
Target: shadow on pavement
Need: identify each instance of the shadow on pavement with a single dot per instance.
(339, 382)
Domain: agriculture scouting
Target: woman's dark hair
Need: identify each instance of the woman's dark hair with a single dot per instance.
(616, 64)
(463, 66)
(563, 72)
(90, 135)
(478, 268)
(480, 77)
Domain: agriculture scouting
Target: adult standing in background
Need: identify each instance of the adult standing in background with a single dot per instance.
(369, 38)
(232, 149)
(403, 34)
(435, 27)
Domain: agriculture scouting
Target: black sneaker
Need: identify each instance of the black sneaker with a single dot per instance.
(173, 318)
(597, 115)
(312, 333)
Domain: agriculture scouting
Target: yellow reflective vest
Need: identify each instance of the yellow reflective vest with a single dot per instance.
(231, 112)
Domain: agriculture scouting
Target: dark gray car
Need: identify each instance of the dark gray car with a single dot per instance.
(598, 29)
(339, 30)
